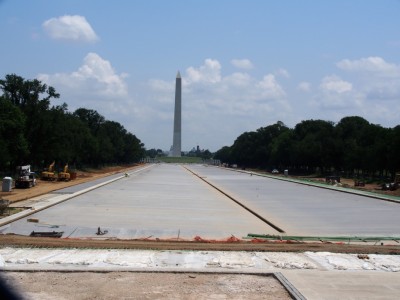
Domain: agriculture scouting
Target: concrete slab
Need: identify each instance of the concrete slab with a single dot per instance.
(307, 210)
(164, 201)
(302, 271)
(349, 285)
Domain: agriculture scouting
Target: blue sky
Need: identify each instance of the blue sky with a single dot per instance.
(244, 64)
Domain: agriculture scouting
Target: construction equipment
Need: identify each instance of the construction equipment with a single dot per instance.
(392, 186)
(25, 178)
(64, 175)
(49, 174)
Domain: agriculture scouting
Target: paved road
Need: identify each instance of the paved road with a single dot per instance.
(307, 210)
(164, 201)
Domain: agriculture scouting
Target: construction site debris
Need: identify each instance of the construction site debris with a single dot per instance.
(33, 220)
(53, 234)
(100, 232)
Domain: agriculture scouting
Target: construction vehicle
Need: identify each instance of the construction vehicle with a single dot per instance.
(64, 175)
(49, 174)
(25, 178)
(393, 185)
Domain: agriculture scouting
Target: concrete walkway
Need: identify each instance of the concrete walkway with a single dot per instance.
(310, 275)
(317, 285)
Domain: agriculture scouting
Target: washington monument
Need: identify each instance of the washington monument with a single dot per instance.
(177, 145)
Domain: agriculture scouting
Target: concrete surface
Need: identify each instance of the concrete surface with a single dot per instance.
(351, 285)
(306, 210)
(165, 201)
(168, 201)
(313, 275)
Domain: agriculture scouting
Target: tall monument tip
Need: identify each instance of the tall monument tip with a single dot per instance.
(177, 138)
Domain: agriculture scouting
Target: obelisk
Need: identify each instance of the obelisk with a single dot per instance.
(176, 145)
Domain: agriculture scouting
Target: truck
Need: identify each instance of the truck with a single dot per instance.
(25, 178)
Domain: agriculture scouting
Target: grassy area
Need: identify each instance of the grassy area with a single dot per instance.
(180, 160)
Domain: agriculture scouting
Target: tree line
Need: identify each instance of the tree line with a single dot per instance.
(32, 131)
(353, 146)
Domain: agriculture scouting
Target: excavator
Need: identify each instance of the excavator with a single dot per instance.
(64, 175)
(49, 174)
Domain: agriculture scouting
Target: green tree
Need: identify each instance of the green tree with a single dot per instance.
(393, 157)
(26, 93)
(33, 98)
(281, 151)
(315, 146)
(224, 155)
(352, 132)
(13, 145)
(91, 118)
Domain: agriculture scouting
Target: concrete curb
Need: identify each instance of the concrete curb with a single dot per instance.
(294, 293)
(62, 198)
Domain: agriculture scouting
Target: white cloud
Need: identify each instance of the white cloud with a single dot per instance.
(210, 72)
(242, 64)
(270, 88)
(237, 80)
(374, 64)
(373, 92)
(283, 73)
(377, 79)
(75, 28)
(304, 86)
(335, 84)
(335, 94)
(95, 79)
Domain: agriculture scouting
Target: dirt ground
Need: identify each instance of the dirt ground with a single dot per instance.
(127, 285)
(254, 245)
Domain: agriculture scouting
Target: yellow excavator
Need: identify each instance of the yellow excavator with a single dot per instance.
(64, 175)
(49, 174)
